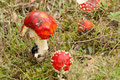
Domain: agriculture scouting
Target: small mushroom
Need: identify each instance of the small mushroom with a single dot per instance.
(40, 27)
(88, 5)
(61, 60)
(85, 25)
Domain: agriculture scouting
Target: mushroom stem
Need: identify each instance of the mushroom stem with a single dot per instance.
(23, 30)
(41, 44)
(42, 47)
(60, 76)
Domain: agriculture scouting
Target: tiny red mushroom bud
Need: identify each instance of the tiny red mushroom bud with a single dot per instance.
(84, 25)
(61, 60)
(88, 5)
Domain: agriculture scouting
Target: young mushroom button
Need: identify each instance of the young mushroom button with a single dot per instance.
(61, 60)
(85, 25)
(40, 27)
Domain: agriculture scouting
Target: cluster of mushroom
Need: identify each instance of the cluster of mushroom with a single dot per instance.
(86, 5)
(40, 27)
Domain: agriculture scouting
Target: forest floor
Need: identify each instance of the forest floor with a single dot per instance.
(96, 53)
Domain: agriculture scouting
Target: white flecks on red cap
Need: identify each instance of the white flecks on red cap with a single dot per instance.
(88, 5)
(63, 60)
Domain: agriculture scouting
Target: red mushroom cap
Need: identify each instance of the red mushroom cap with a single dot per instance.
(89, 5)
(61, 60)
(84, 25)
(43, 24)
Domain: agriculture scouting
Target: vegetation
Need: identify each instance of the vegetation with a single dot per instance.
(96, 53)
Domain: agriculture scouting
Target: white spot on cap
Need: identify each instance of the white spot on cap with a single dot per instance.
(59, 52)
(84, 9)
(56, 52)
(80, 27)
(66, 53)
(52, 60)
(83, 5)
(71, 60)
(80, 6)
(86, 4)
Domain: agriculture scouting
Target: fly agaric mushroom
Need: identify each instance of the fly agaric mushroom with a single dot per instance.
(40, 27)
(61, 60)
(85, 25)
(88, 5)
